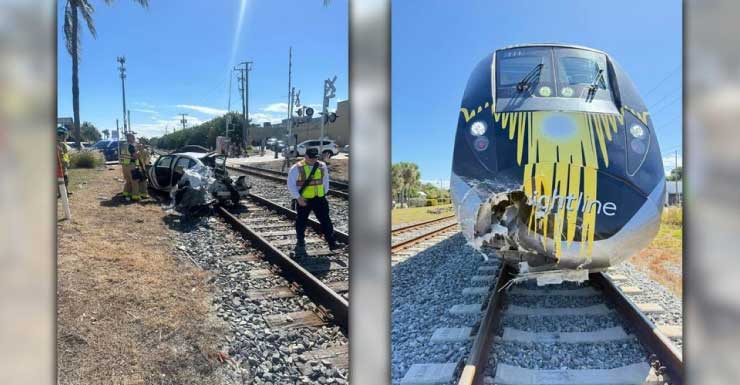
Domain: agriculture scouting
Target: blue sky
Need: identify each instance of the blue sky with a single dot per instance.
(180, 53)
(436, 46)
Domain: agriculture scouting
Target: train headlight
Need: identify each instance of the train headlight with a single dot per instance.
(545, 91)
(638, 146)
(481, 143)
(478, 128)
(637, 131)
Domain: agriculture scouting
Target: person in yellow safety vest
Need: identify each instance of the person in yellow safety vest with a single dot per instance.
(143, 164)
(128, 156)
(63, 153)
(309, 187)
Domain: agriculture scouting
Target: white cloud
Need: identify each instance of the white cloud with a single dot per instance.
(259, 118)
(144, 104)
(158, 127)
(203, 109)
(144, 110)
(276, 107)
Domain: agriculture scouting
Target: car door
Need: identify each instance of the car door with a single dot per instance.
(163, 171)
(181, 164)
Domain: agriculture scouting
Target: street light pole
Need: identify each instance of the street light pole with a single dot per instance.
(122, 69)
(183, 120)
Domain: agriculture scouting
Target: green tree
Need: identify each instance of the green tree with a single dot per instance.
(89, 133)
(405, 178)
(72, 10)
(106, 133)
(676, 174)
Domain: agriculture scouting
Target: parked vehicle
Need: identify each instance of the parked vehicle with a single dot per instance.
(109, 149)
(279, 145)
(73, 145)
(330, 147)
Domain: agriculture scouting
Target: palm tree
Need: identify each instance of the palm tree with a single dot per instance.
(72, 10)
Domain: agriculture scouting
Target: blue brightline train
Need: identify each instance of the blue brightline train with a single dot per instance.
(556, 163)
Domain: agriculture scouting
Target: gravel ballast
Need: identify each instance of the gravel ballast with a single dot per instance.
(257, 352)
(424, 288)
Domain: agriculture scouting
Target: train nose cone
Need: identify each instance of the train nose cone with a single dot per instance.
(559, 127)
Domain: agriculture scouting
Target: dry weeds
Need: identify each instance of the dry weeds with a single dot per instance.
(662, 260)
(128, 311)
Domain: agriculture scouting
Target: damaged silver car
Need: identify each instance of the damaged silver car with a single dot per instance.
(195, 179)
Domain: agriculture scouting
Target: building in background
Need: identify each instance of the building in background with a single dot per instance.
(337, 130)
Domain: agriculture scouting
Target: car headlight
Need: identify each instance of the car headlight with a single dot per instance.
(637, 131)
(478, 128)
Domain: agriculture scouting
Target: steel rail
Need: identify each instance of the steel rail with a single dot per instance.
(333, 183)
(337, 193)
(421, 224)
(474, 372)
(654, 340)
(312, 286)
(409, 242)
(338, 235)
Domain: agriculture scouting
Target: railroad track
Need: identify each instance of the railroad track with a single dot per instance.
(557, 334)
(407, 239)
(338, 189)
(318, 273)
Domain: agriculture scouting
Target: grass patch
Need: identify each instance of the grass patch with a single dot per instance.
(662, 260)
(418, 214)
(129, 311)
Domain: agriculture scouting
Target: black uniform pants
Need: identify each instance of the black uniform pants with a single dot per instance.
(320, 208)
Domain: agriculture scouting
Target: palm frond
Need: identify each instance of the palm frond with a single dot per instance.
(68, 27)
(87, 11)
(68, 31)
(143, 3)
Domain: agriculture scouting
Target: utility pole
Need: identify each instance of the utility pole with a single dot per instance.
(288, 137)
(228, 108)
(129, 121)
(678, 195)
(290, 99)
(122, 69)
(247, 68)
(183, 120)
(117, 134)
(244, 92)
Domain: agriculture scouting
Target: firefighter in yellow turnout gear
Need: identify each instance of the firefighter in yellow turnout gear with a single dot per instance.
(63, 153)
(308, 183)
(128, 158)
(143, 160)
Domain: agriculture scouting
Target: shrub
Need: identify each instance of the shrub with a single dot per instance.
(417, 202)
(86, 159)
(673, 216)
(432, 202)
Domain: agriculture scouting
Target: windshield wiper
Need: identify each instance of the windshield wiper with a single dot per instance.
(595, 83)
(524, 83)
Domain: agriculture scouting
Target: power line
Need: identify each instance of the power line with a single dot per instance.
(677, 98)
(672, 92)
(663, 80)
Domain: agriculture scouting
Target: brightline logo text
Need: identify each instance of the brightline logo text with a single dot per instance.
(545, 203)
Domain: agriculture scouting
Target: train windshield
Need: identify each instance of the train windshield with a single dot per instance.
(553, 78)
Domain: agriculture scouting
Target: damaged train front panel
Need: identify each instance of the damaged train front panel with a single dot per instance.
(557, 169)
